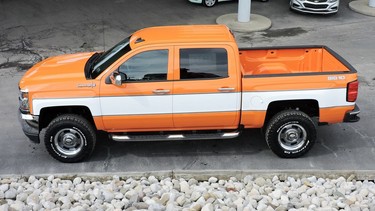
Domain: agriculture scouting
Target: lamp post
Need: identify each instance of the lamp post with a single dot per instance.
(244, 9)
(241, 22)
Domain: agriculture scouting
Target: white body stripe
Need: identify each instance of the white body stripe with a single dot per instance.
(218, 102)
(136, 105)
(194, 103)
(92, 103)
(326, 98)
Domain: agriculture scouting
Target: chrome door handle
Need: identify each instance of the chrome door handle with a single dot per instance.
(161, 91)
(226, 89)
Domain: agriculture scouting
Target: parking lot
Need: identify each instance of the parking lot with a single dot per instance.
(32, 30)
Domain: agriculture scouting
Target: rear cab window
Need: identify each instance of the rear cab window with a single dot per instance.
(203, 63)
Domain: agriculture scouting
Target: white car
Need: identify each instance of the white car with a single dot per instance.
(315, 6)
(211, 3)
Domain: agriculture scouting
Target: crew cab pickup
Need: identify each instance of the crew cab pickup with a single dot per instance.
(186, 82)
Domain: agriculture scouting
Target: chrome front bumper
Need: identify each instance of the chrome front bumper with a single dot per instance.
(30, 127)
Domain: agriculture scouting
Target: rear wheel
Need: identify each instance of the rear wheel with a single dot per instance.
(209, 3)
(290, 134)
(70, 138)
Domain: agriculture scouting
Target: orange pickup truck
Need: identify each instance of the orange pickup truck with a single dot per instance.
(186, 82)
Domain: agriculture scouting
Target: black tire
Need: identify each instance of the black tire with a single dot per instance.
(209, 3)
(70, 138)
(290, 134)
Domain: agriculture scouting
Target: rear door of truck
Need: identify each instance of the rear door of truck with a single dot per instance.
(206, 89)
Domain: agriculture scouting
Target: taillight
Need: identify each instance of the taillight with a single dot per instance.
(352, 91)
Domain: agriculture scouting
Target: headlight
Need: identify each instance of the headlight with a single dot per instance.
(24, 101)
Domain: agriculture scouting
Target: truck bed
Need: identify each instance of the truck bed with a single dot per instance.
(289, 60)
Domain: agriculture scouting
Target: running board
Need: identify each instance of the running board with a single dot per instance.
(169, 137)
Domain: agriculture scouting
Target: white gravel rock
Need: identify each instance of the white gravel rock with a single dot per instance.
(165, 198)
(260, 181)
(261, 206)
(212, 180)
(51, 178)
(22, 197)
(4, 187)
(11, 193)
(108, 195)
(31, 179)
(152, 179)
(17, 206)
(208, 207)
(150, 193)
(276, 194)
(310, 191)
(195, 195)
(181, 200)
(77, 180)
(184, 186)
(155, 187)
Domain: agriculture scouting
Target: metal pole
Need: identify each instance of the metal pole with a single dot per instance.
(371, 3)
(244, 11)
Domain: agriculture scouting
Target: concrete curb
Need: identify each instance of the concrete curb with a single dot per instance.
(257, 23)
(202, 175)
(362, 6)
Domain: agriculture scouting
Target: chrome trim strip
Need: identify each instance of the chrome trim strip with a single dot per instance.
(230, 135)
(175, 136)
(27, 117)
(120, 138)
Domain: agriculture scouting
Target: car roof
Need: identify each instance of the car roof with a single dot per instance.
(181, 34)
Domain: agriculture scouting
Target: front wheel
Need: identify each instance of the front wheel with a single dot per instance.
(209, 3)
(290, 134)
(70, 138)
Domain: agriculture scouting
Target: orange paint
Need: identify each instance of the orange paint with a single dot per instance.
(214, 120)
(334, 115)
(248, 71)
(138, 123)
(253, 119)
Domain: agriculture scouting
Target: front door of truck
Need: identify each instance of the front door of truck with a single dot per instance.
(206, 88)
(143, 102)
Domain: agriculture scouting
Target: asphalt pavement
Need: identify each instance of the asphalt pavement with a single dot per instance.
(31, 30)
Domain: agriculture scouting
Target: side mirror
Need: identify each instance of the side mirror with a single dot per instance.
(117, 78)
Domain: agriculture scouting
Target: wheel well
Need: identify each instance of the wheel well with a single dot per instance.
(48, 114)
(310, 107)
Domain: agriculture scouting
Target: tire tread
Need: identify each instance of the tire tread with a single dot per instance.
(281, 116)
(78, 120)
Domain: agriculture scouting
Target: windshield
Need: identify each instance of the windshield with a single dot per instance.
(110, 56)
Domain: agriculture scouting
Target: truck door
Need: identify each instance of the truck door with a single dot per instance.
(206, 88)
(144, 100)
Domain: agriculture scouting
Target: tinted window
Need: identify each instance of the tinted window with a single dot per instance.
(110, 56)
(146, 66)
(201, 63)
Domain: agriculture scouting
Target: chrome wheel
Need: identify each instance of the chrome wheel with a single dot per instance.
(69, 141)
(290, 133)
(70, 138)
(209, 3)
(292, 137)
